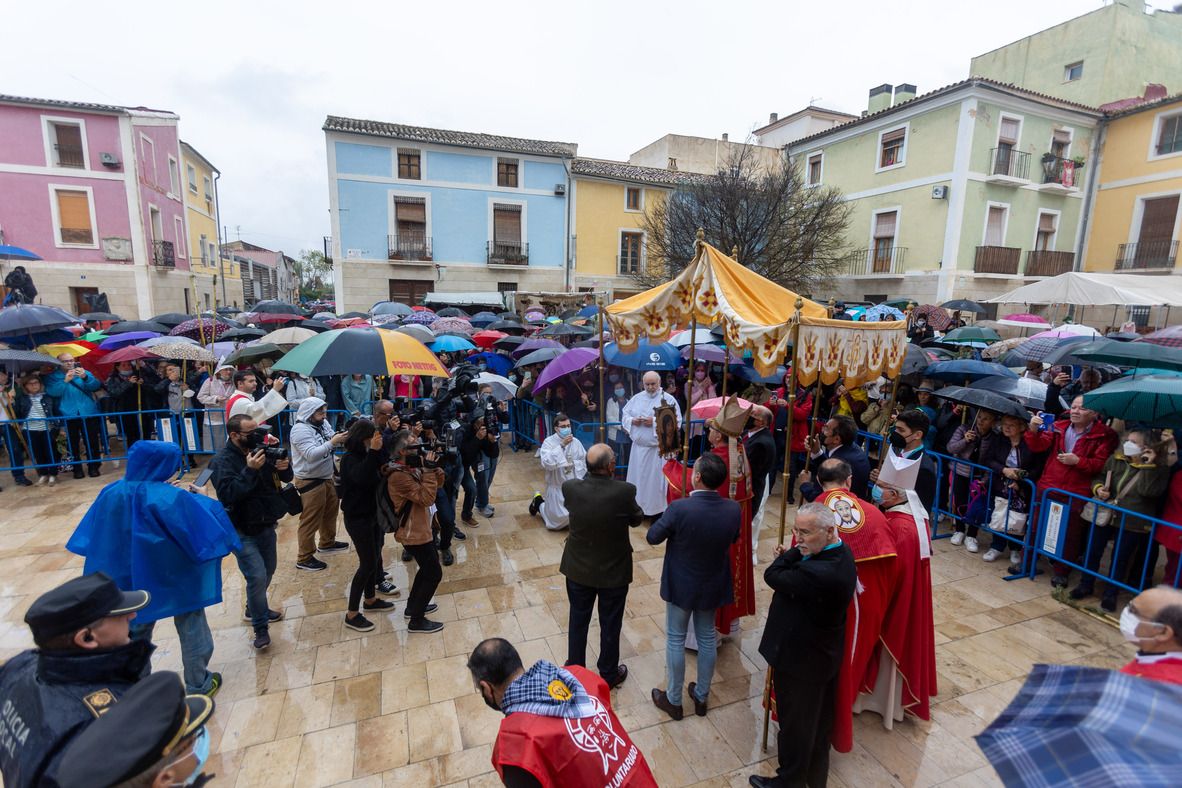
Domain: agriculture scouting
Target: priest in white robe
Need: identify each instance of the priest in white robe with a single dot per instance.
(645, 466)
(563, 458)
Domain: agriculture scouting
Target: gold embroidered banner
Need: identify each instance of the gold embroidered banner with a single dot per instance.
(855, 352)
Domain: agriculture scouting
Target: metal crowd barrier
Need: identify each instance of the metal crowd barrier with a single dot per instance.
(65, 438)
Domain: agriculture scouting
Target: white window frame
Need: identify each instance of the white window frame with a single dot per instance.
(174, 188)
(495, 201)
(1070, 139)
(1037, 220)
(821, 175)
(1009, 116)
(1139, 214)
(1067, 71)
(643, 262)
(182, 250)
(392, 212)
(902, 162)
(49, 138)
(520, 173)
(207, 184)
(190, 170)
(57, 219)
(1158, 119)
(897, 210)
(149, 157)
(626, 208)
(205, 262)
(1005, 224)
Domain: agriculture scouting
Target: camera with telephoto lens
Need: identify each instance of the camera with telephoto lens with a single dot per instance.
(451, 406)
(258, 440)
(416, 454)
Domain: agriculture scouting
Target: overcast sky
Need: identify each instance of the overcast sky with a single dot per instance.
(253, 81)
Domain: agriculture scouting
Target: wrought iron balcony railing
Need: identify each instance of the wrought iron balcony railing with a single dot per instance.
(1147, 255)
(502, 253)
(409, 246)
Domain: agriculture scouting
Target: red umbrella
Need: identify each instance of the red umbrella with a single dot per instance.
(936, 316)
(708, 408)
(346, 322)
(90, 361)
(421, 308)
(129, 353)
(1170, 336)
(485, 339)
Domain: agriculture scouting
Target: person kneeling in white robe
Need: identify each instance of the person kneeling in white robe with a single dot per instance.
(563, 458)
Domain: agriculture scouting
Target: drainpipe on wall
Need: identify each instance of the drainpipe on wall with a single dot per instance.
(1085, 212)
(566, 261)
(218, 233)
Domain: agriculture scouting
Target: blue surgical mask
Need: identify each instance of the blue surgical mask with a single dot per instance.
(876, 494)
(564, 432)
(200, 751)
(620, 392)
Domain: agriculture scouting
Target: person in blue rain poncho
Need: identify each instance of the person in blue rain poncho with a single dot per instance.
(146, 533)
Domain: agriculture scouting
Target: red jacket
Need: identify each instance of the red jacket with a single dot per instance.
(1092, 448)
(1166, 668)
(802, 411)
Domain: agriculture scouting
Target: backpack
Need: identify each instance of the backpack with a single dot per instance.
(390, 519)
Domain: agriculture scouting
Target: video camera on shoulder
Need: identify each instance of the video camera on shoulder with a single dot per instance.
(258, 440)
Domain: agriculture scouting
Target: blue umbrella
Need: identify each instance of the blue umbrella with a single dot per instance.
(647, 357)
(123, 340)
(482, 319)
(589, 311)
(961, 369)
(750, 374)
(1071, 725)
(494, 362)
(17, 253)
(875, 313)
(450, 344)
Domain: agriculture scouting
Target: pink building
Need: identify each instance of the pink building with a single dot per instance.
(96, 191)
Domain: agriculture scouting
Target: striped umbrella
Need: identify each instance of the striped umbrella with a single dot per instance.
(362, 351)
(936, 316)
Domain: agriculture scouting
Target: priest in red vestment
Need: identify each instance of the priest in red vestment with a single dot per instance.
(865, 531)
(1153, 623)
(724, 431)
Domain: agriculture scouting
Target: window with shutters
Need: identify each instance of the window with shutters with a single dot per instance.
(181, 246)
(892, 148)
(995, 226)
(507, 246)
(1169, 135)
(507, 172)
(410, 164)
(631, 252)
(204, 251)
(148, 159)
(74, 217)
(883, 242)
(813, 170)
(1044, 238)
(410, 241)
(632, 199)
(1007, 142)
(67, 145)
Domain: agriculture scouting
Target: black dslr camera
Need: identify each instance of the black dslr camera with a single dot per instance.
(258, 440)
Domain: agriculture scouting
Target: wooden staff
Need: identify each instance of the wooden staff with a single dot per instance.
(884, 447)
(602, 401)
(726, 365)
(808, 459)
(687, 418)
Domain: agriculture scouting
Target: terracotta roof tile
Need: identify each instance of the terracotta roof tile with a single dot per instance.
(464, 139)
(622, 171)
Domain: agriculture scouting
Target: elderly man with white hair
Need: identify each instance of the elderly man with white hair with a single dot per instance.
(645, 469)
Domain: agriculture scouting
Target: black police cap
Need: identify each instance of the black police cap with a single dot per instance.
(147, 725)
(80, 602)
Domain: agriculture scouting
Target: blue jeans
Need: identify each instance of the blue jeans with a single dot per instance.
(471, 489)
(676, 622)
(483, 482)
(192, 630)
(256, 561)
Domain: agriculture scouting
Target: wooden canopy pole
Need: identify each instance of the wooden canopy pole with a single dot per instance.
(699, 241)
(602, 401)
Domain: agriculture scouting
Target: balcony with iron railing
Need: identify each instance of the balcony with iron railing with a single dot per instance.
(70, 156)
(163, 254)
(1147, 256)
(507, 253)
(1060, 175)
(409, 246)
(876, 260)
(1008, 167)
(1043, 262)
(996, 260)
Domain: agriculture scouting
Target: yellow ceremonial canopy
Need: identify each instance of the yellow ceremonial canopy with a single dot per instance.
(755, 312)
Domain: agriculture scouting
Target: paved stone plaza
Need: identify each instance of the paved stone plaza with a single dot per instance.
(327, 706)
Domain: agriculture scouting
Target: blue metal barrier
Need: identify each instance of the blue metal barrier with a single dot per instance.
(64, 439)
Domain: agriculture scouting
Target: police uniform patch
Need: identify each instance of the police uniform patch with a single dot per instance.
(99, 701)
(558, 690)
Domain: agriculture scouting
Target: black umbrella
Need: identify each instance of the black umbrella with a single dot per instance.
(17, 360)
(516, 318)
(242, 333)
(127, 326)
(1123, 336)
(563, 330)
(566, 314)
(362, 315)
(171, 319)
(964, 305)
(451, 311)
(1026, 391)
(987, 400)
(508, 343)
(249, 354)
(1068, 355)
(228, 310)
(314, 325)
(277, 308)
(915, 361)
(26, 319)
(100, 317)
(508, 326)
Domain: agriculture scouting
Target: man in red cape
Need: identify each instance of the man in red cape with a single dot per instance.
(1152, 622)
(865, 530)
(724, 431)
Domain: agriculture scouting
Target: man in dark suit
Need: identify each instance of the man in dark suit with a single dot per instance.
(695, 578)
(837, 441)
(803, 642)
(761, 454)
(597, 559)
(906, 441)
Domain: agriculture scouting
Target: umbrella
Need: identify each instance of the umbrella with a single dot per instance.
(26, 319)
(563, 330)
(530, 345)
(971, 335)
(509, 343)
(1024, 320)
(708, 408)
(701, 336)
(711, 353)
(182, 351)
(362, 315)
(900, 303)
(17, 360)
(418, 331)
(287, 338)
(553, 319)
(1150, 399)
(1065, 353)
(1123, 336)
(137, 326)
(962, 369)
(567, 314)
(390, 308)
(646, 357)
(452, 311)
(588, 311)
(420, 318)
(1067, 330)
(242, 333)
(94, 336)
(362, 351)
(878, 311)
(58, 348)
(168, 341)
(315, 326)
(221, 349)
(450, 344)
(495, 362)
(855, 311)
(249, 354)
(509, 316)
(572, 360)
(1037, 349)
(204, 326)
(1171, 336)
(457, 324)
(325, 315)
(540, 356)
(1130, 354)
(228, 310)
(934, 354)
(422, 308)
(1071, 725)
(502, 387)
(8, 252)
(937, 318)
(345, 322)
(964, 305)
(123, 340)
(485, 339)
(988, 400)
(266, 318)
(507, 326)
(1028, 392)
(482, 319)
(171, 319)
(915, 361)
(127, 354)
(999, 349)
(100, 317)
(276, 307)
(534, 314)
(751, 374)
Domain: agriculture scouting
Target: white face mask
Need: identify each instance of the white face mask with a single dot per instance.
(1131, 449)
(1128, 625)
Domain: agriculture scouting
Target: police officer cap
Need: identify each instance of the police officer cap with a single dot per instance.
(80, 602)
(147, 725)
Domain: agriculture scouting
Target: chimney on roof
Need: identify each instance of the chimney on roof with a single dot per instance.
(880, 98)
(725, 136)
(772, 118)
(904, 92)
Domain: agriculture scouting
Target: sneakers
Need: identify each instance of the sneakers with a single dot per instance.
(272, 615)
(424, 626)
(23, 481)
(431, 608)
(458, 535)
(312, 565)
(215, 684)
(261, 640)
(334, 547)
(535, 504)
(991, 555)
(487, 511)
(970, 544)
(43, 479)
(1015, 558)
(52, 481)
(388, 588)
(446, 557)
(958, 538)
(359, 623)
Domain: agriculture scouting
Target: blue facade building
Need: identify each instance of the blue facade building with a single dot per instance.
(415, 210)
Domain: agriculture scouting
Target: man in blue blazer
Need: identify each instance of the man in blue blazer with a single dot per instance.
(695, 579)
(837, 442)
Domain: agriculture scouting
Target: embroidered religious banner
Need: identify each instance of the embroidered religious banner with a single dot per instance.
(853, 352)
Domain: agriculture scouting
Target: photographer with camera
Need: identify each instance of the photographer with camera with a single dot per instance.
(360, 477)
(496, 418)
(414, 480)
(477, 448)
(312, 445)
(247, 478)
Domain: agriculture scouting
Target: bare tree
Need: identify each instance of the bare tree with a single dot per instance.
(788, 232)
